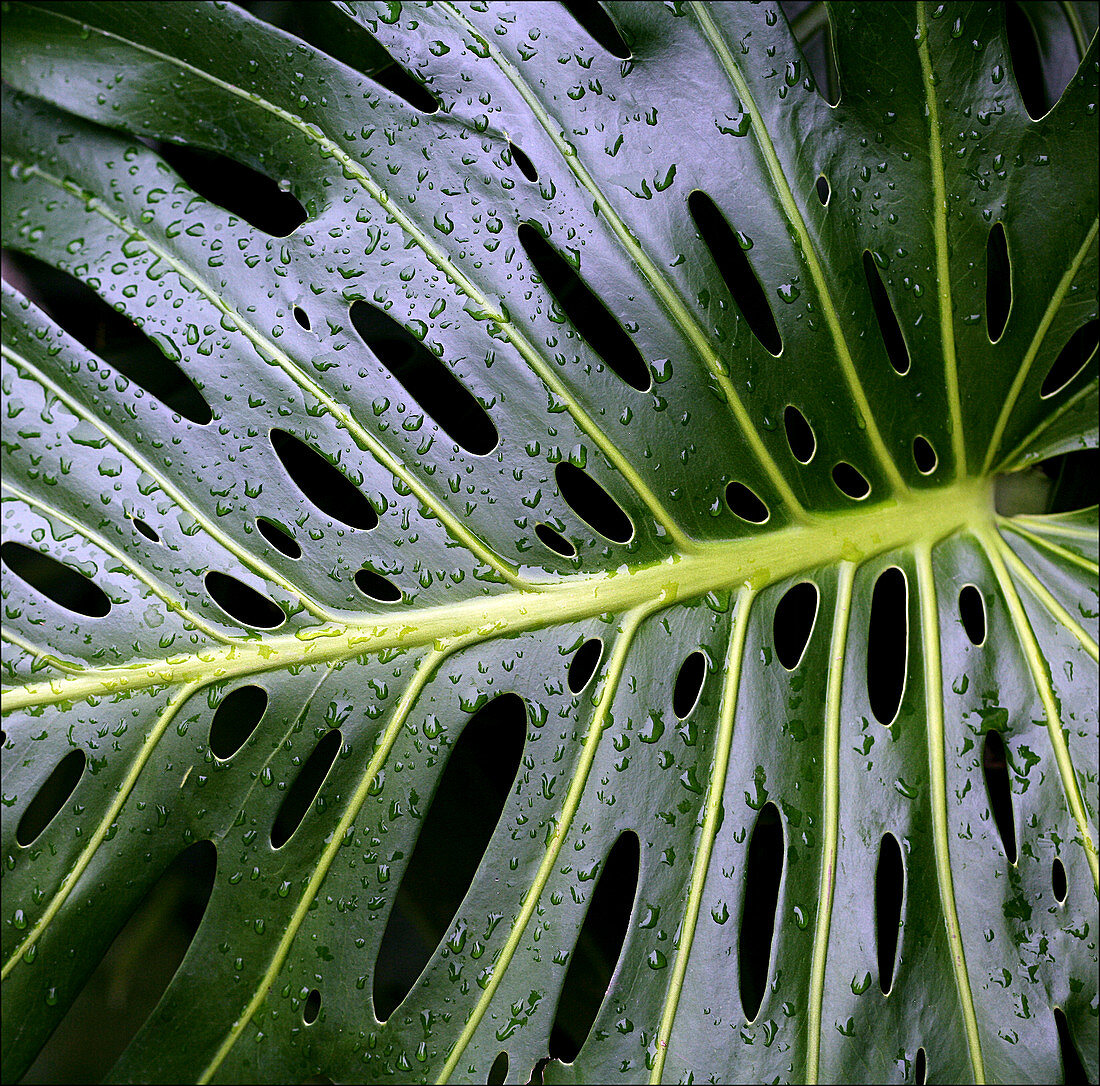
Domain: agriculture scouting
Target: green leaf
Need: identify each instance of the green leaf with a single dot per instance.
(496, 262)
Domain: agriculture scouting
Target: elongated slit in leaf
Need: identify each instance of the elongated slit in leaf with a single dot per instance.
(56, 580)
(312, 1007)
(457, 828)
(303, 791)
(892, 339)
(243, 603)
(526, 166)
(603, 333)
(689, 683)
(850, 481)
(888, 644)
(924, 456)
(793, 622)
(995, 771)
(800, 435)
(599, 25)
(53, 794)
(597, 950)
(727, 250)
(583, 664)
(376, 586)
(158, 933)
(1058, 882)
(593, 504)
(972, 613)
(499, 1071)
(235, 719)
(1028, 62)
(920, 1067)
(763, 877)
(998, 283)
(426, 379)
(113, 336)
(235, 187)
(745, 504)
(397, 80)
(279, 537)
(555, 541)
(325, 485)
(889, 898)
(144, 529)
(1073, 1070)
(1079, 351)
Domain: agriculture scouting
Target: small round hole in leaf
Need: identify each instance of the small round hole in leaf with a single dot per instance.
(822, 188)
(850, 481)
(244, 603)
(302, 317)
(555, 541)
(279, 537)
(746, 504)
(584, 663)
(689, 684)
(800, 436)
(376, 586)
(924, 456)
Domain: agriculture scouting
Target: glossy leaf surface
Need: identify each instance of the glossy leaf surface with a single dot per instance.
(418, 213)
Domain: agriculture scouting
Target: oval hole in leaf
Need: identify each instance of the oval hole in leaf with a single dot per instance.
(1027, 61)
(141, 961)
(426, 379)
(112, 336)
(376, 586)
(499, 1071)
(800, 436)
(763, 875)
(594, 18)
(457, 827)
(235, 187)
(746, 504)
(597, 949)
(51, 797)
(278, 537)
(822, 189)
(326, 486)
(728, 253)
(397, 80)
(144, 529)
(592, 503)
(301, 316)
(972, 613)
(889, 896)
(888, 644)
(1073, 1070)
(793, 623)
(1058, 881)
(1078, 352)
(995, 770)
(243, 603)
(584, 663)
(812, 30)
(920, 1067)
(892, 339)
(312, 1007)
(1073, 481)
(301, 794)
(603, 333)
(689, 683)
(924, 456)
(235, 719)
(850, 481)
(527, 168)
(555, 541)
(998, 283)
(56, 580)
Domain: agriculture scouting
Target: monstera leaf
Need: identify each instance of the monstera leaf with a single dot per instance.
(620, 396)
